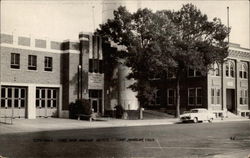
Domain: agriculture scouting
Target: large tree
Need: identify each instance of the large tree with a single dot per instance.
(166, 41)
(198, 45)
(140, 33)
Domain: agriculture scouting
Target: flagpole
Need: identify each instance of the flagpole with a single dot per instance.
(228, 23)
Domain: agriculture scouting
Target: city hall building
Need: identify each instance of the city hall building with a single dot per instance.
(40, 78)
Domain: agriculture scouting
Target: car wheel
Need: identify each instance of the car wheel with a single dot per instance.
(195, 120)
(210, 120)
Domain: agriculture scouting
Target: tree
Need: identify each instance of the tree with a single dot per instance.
(139, 33)
(199, 42)
(166, 41)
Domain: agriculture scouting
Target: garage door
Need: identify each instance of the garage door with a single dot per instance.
(46, 102)
(13, 102)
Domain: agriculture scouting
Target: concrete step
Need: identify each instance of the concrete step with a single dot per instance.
(229, 114)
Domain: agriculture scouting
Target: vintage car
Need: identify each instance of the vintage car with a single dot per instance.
(196, 115)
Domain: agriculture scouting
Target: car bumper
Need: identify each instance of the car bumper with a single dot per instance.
(183, 119)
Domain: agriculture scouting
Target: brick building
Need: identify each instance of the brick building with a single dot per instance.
(224, 89)
(39, 78)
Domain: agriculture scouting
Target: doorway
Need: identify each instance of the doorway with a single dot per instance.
(95, 97)
(230, 93)
(94, 104)
(13, 102)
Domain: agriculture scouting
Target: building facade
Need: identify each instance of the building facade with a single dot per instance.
(40, 78)
(224, 90)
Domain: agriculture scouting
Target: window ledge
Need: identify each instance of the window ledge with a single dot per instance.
(32, 70)
(216, 104)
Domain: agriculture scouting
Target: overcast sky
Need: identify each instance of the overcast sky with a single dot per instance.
(63, 20)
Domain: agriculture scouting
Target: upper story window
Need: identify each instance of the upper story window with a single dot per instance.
(170, 75)
(193, 73)
(32, 62)
(154, 76)
(244, 70)
(230, 69)
(48, 63)
(195, 96)
(15, 61)
(95, 65)
(216, 69)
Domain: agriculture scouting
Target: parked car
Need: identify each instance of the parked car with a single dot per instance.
(196, 115)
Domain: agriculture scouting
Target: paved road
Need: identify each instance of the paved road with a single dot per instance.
(217, 140)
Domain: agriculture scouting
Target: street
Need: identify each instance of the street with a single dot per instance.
(177, 140)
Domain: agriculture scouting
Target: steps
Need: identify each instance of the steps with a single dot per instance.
(229, 114)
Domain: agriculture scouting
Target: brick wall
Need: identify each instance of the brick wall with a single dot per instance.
(23, 75)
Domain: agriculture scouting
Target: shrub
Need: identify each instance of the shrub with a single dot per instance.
(79, 107)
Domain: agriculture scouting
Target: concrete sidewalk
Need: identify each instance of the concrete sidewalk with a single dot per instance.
(48, 124)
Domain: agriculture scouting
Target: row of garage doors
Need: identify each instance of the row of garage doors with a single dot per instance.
(14, 102)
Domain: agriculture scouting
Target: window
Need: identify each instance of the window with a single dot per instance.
(153, 76)
(216, 69)
(15, 61)
(218, 96)
(198, 96)
(171, 96)
(32, 62)
(46, 98)
(244, 97)
(195, 96)
(13, 97)
(170, 75)
(193, 73)
(191, 96)
(48, 64)
(243, 70)
(230, 69)
(95, 65)
(215, 96)
(156, 98)
(212, 96)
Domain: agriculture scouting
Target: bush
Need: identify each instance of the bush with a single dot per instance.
(119, 111)
(79, 107)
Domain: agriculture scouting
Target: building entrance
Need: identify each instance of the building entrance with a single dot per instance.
(230, 93)
(13, 102)
(95, 97)
(94, 104)
(46, 102)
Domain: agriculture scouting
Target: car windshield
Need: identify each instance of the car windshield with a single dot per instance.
(194, 111)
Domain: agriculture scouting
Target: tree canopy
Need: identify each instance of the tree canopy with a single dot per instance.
(165, 41)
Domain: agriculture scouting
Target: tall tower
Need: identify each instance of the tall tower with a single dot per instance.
(126, 97)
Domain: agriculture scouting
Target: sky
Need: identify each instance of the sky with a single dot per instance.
(61, 20)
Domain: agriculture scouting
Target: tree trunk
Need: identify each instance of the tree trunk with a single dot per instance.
(177, 115)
